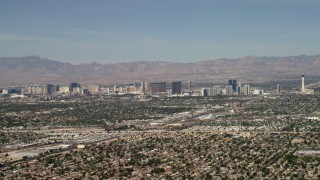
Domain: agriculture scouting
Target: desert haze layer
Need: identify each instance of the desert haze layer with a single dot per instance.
(33, 69)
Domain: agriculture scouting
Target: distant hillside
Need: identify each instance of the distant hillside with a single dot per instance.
(33, 69)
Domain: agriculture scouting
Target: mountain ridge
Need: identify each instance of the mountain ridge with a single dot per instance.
(34, 69)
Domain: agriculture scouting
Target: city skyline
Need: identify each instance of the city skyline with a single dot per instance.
(126, 31)
(210, 89)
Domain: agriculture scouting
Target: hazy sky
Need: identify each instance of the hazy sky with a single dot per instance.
(106, 31)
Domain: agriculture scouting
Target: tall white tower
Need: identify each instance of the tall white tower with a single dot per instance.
(278, 89)
(303, 91)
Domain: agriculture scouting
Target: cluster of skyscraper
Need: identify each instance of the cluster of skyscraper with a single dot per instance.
(160, 87)
(231, 89)
(50, 89)
(145, 88)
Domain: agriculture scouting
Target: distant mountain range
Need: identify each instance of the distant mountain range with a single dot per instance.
(33, 69)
